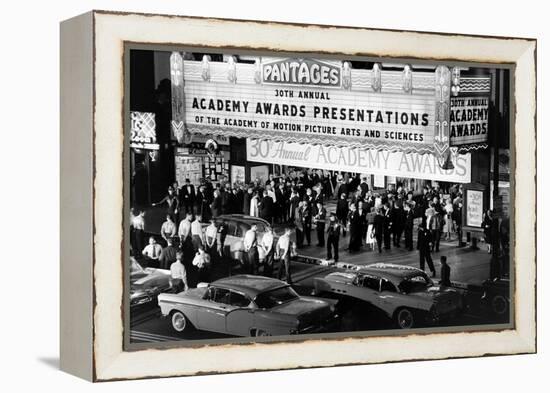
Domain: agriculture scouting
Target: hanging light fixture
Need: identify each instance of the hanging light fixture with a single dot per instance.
(205, 74)
(376, 82)
(455, 81)
(407, 79)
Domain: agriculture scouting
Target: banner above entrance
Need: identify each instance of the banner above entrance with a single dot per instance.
(376, 162)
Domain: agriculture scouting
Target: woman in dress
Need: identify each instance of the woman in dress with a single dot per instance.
(448, 227)
(371, 239)
(172, 203)
(254, 211)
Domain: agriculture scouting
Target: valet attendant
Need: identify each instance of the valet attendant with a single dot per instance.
(210, 236)
(267, 243)
(197, 236)
(202, 263)
(283, 253)
(251, 248)
(178, 274)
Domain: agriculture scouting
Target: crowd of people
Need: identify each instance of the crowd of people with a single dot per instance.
(371, 220)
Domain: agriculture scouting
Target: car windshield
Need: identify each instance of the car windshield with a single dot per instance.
(135, 267)
(275, 297)
(415, 284)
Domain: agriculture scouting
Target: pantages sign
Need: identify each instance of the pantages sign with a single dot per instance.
(376, 162)
(305, 72)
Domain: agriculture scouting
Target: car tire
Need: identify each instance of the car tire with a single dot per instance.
(499, 305)
(180, 323)
(405, 318)
(260, 333)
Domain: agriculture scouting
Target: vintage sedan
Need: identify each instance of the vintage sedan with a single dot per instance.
(405, 294)
(246, 305)
(146, 284)
(236, 226)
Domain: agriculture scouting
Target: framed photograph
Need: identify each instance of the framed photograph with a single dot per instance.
(304, 196)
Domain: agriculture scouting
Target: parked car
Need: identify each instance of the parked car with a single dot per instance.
(236, 226)
(147, 283)
(405, 294)
(247, 305)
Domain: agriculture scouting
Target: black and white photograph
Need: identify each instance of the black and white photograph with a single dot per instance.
(287, 195)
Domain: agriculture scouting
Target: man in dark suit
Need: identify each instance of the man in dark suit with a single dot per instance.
(333, 237)
(280, 206)
(342, 210)
(216, 205)
(306, 221)
(445, 272)
(387, 227)
(364, 187)
(319, 220)
(354, 229)
(424, 249)
(398, 223)
(379, 228)
(362, 212)
(409, 224)
(226, 197)
(246, 200)
(266, 207)
(187, 195)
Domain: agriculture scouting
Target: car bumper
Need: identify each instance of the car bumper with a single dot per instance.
(330, 324)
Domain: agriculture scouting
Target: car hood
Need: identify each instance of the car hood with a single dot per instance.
(302, 306)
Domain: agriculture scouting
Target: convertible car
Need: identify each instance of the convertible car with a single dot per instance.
(146, 284)
(405, 294)
(246, 305)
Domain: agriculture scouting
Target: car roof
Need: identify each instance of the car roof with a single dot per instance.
(388, 271)
(243, 219)
(249, 284)
(391, 271)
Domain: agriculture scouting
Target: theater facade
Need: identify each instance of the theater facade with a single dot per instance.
(241, 118)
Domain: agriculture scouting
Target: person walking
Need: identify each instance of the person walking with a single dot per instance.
(283, 254)
(319, 221)
(178, 274)
(398, 223)
(408, 226)
(299, 223)
(424, 248)
(333, 238)
(354, 222)
(138, 230)
(379, 224)
(342, 211)
(251, 248)
(172, 202)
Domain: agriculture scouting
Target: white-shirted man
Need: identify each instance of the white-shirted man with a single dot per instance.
(283, 253)
(251, 248)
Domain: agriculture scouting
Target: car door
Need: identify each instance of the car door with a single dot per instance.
(388, 297)
(212, 316)
(240, 319)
